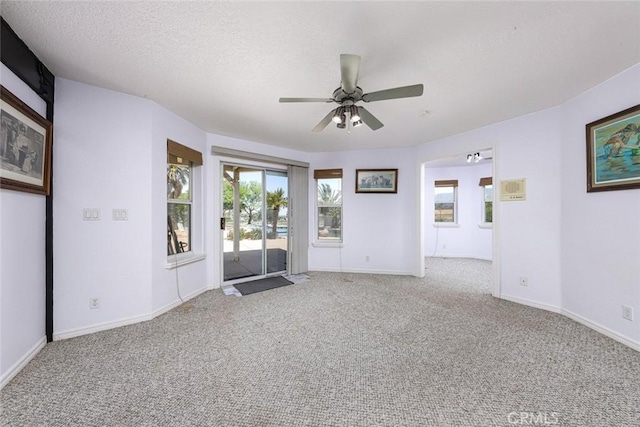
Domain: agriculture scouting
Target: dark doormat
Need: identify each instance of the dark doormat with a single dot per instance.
(262, 285)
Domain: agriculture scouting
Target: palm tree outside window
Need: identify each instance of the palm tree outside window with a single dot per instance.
(276, 200)
(329, 209)
(178, 208)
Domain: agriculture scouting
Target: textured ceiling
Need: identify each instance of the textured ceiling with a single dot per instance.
(223, 65)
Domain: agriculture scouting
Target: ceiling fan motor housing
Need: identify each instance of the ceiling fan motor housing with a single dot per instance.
(343, 98)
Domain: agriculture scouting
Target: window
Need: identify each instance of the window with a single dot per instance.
(180, 163)
(487, 199)
(179, 208)
(329, 204)
(445, 201)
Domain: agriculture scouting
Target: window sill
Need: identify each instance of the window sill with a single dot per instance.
(174, 261)
(446, 225)
(319, 244)
(487, 225)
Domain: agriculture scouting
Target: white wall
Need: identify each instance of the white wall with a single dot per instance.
(526, 233)
(467, 239)
(102, 159)
(379, 226)
(117, 146)
(190, 279)
(601, 231)
(579, 250)
(22, 261)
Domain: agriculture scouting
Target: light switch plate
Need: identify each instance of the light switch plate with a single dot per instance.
(120, 215)
(91, 214)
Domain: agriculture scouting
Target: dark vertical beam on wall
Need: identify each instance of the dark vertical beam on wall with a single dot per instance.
(17, 56)
(49, 240)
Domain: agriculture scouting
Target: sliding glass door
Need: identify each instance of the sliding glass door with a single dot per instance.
(254, 222)
(277, 224)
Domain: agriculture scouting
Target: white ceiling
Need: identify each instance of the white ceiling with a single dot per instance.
(223, 65)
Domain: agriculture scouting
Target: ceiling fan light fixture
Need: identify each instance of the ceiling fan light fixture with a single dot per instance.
(341, 125)
(355, 115)
(337, 117)
(357, 123)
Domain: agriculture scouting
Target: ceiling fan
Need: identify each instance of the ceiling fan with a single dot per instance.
(349, 93)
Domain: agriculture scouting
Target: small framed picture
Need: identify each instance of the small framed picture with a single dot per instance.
(25, 147)
(613, 151)
(376, 180)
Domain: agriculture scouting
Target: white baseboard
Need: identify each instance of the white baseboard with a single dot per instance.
(22, 362)
(70, 333)
(577, 318)
(177, 303)
(603, 330)
(363, 271)
(98, 327)
(459, 256)
(530, 303)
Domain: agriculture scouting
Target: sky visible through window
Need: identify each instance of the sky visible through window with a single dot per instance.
(273, 183)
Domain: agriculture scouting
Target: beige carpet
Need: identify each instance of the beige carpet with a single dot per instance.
(339, 350)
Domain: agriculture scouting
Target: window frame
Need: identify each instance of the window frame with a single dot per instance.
(453, 183)
(182, 155)
(184, 202)
(320, 175)
(484, 183)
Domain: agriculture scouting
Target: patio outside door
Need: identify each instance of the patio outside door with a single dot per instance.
(255, 222)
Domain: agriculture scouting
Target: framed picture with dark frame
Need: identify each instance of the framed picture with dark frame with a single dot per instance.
(376, 180)
(25, 146)
(613, 151)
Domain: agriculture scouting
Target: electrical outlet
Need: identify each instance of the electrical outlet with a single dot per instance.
(94, 303)
(524, 281)
(627, 312)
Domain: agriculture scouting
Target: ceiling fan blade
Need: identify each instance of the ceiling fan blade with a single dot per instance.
(306, 100)
(324, 122)
(369, 119)
(398, 92)
(349, 69)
